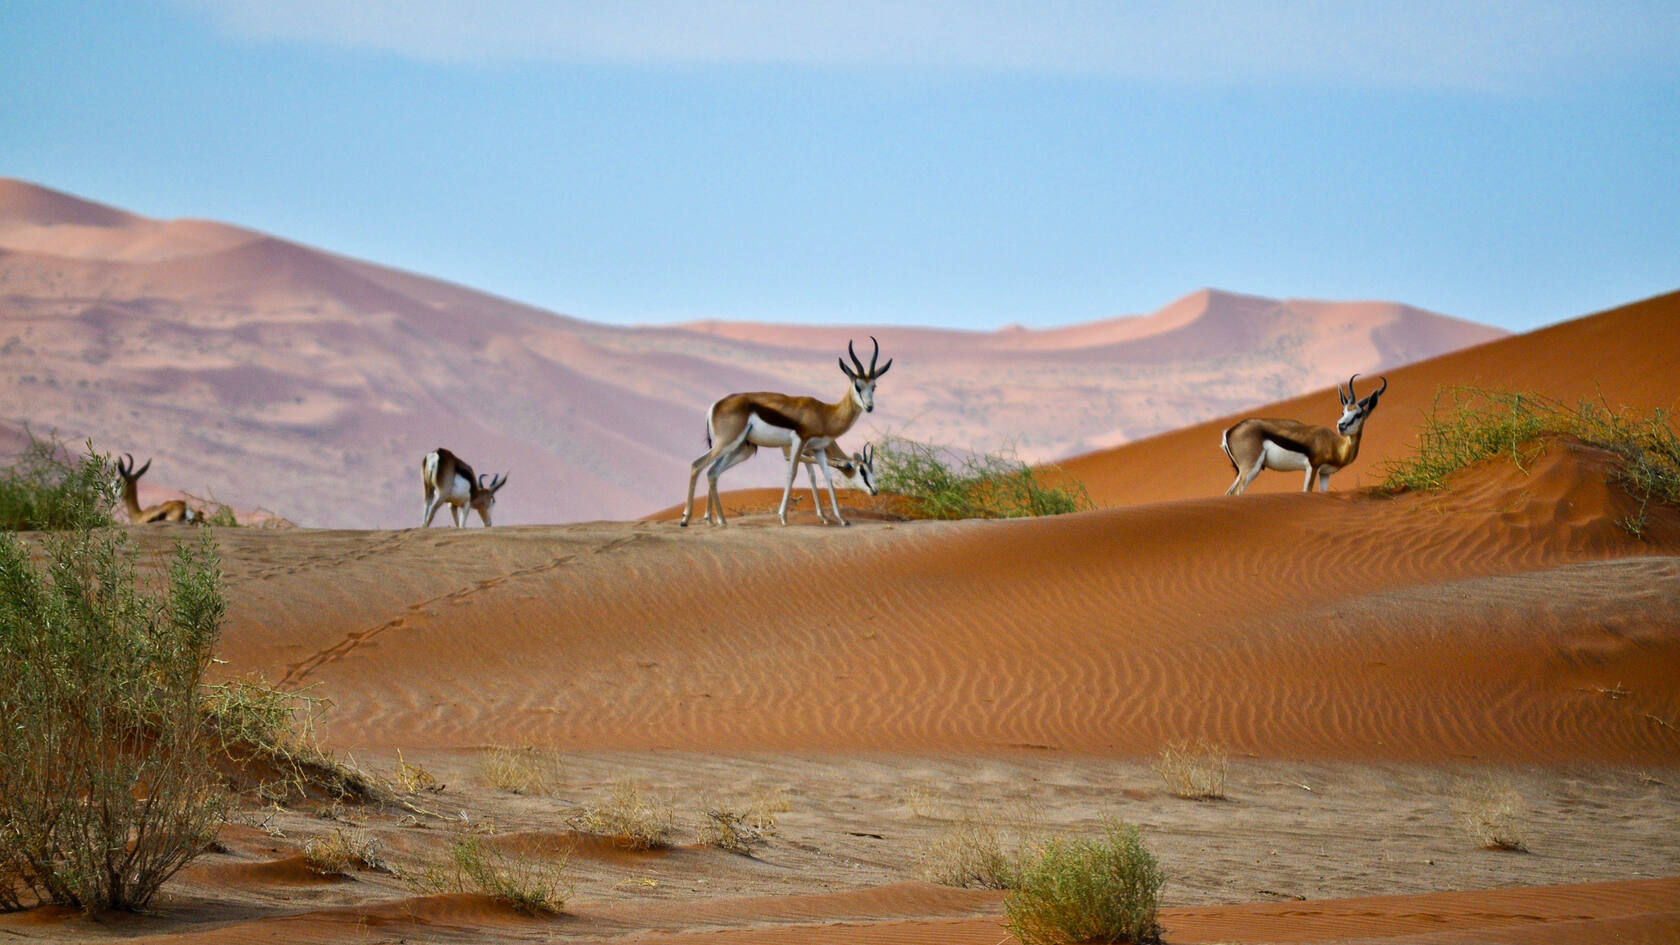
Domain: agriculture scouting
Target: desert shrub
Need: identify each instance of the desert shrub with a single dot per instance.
(524, 885)
(1494, 813)
(261, 728)
(630, 818)
(991, 485)
(520, 770)
(1193, 769)
(1468, 425)
(1101, 889)
(332, 854)
(221, 517)
(106, 786)
(736, 831)
(48, 489)
(970, 854)
(411, 778)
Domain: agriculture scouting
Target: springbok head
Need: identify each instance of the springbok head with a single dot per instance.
(1354, 408)
(484, 497)
(863, 379)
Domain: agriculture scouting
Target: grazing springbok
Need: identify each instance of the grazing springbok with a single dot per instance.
(1293, 446)
(173, 510)
(856, 471)
(805, 426)
(448, 479)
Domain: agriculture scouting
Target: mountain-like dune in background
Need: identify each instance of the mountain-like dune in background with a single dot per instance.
(268, 374)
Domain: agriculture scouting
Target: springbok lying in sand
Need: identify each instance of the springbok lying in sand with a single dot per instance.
(447, 479)
(173, 510)
(805, 426)
(1292, 446)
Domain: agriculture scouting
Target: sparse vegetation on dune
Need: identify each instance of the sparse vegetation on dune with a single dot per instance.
(1468, 425)
(1494, 813)
(630, 818)
(1194, 769)
(270, 736)
(1105, 888)
(530, 886)
(991, 485)
(49, 489)
(106, 784)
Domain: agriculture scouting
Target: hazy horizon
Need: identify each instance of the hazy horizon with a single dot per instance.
(941, 164)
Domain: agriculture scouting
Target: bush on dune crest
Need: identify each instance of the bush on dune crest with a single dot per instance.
(48, 489)
(1468, 425)
(992, 485)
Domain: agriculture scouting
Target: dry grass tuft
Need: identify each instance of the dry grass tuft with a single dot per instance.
(520, 770)
(971, 854)
(1493, 812)
(533, 887)
(1193, 769)
(630, 818)
(332, 854)
(411, 779)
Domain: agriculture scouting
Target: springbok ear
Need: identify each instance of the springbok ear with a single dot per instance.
(843, 367)
(500, 482)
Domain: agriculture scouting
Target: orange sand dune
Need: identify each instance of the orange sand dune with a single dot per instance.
(1622, 357)
(1480, 623)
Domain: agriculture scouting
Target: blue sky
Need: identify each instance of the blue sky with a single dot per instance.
(916, 162)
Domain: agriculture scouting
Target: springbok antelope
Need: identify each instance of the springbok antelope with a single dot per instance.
(805, 426)
(447, 478)
(173, 510)
(856, 471)
(1292, 446)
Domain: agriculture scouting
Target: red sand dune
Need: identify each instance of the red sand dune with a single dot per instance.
(1472, 624)
(1624, 357)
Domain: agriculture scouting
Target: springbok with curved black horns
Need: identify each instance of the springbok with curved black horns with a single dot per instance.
(803, 425)
(1293, 446)
(174, 510)
(448, 479)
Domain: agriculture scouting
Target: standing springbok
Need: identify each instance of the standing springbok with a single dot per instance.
(173, 510)
(447, 478)
(800, 424)
(855, 471)
(1292, 446)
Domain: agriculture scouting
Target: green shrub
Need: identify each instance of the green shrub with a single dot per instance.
(993, 485)
(1468, 425)
(48, 489)
(106, 787)
(1102, 889)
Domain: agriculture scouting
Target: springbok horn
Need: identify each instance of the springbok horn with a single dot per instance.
(855, 360)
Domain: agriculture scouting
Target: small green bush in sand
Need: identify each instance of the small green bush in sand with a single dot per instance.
(630, 818)
(1101, 889)
(994, 485)
(1468, 425)
(106, 785)
(47, 489)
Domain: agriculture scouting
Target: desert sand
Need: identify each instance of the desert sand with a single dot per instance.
(1364, 662)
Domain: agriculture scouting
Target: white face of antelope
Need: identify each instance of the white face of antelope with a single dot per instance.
(1356, 409)
(859, 473)
(863, 379)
